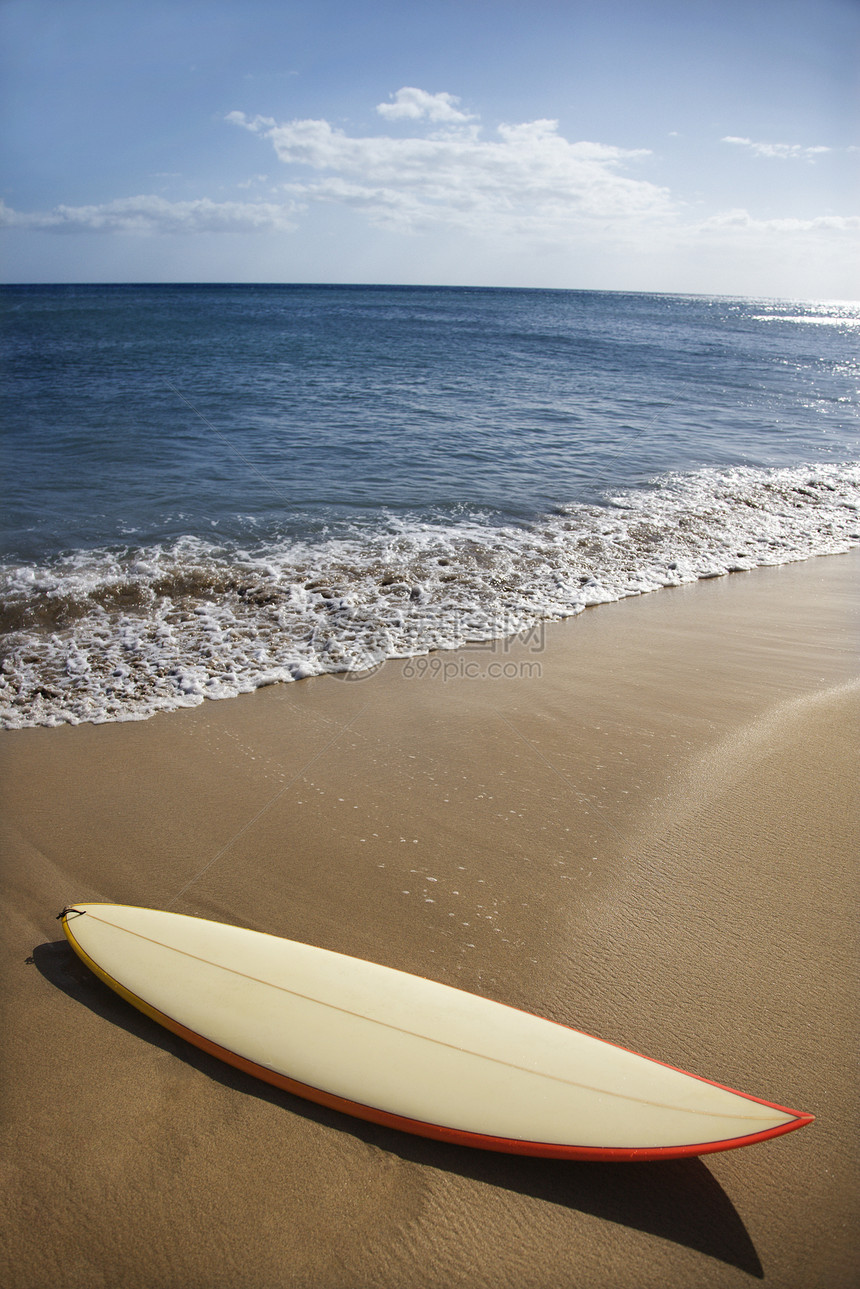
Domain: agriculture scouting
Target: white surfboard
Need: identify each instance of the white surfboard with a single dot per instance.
(407, 1052)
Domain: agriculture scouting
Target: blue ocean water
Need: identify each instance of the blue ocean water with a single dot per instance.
(213, 487)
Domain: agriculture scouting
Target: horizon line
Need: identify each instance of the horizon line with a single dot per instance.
(430, 286)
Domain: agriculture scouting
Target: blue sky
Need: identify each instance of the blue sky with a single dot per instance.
(651, 145)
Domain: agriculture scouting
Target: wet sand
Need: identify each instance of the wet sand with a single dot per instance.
(642, 823)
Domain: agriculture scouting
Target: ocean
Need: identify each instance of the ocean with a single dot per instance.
(213, 488)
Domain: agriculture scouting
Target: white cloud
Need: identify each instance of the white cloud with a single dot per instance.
(784, 255)
(526, 179)
(742, 220)
(152, 214)
(524, 201)
(412, 104)
(785, 151)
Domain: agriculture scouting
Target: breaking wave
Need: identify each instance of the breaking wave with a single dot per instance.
(120, 634)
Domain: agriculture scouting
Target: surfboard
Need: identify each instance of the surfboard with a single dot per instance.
(407, 1052)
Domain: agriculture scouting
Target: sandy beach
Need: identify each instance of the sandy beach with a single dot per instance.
(641, 822)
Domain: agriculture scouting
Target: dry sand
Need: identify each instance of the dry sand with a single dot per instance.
(643, 824)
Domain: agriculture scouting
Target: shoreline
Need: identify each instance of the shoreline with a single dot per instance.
(643, 827)
(159, 628)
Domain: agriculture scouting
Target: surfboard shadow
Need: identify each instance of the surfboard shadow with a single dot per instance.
(678, 1200)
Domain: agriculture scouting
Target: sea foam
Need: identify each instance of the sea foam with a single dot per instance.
(119, 634)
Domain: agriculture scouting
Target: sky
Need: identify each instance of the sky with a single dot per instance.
(709, 146)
